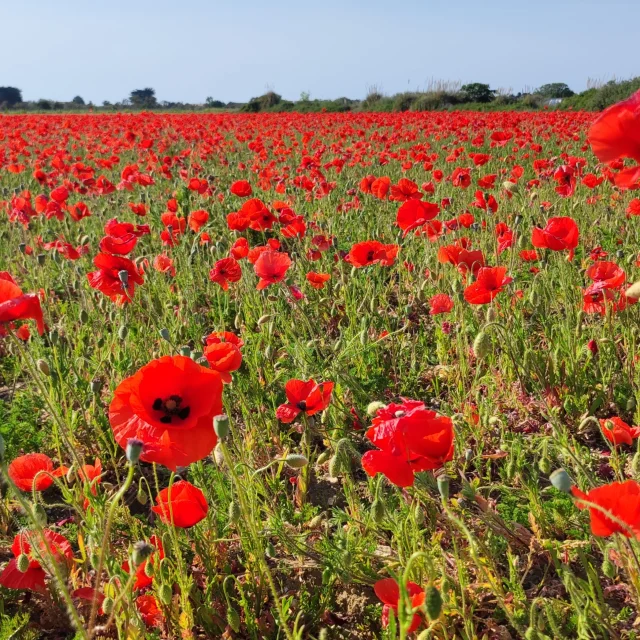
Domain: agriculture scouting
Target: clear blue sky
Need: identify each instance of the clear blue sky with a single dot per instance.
(235, 49)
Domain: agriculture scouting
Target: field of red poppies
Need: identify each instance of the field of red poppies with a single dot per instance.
(320, 376)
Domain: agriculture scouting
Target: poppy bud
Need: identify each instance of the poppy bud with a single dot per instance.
(43, 367)
(468, 455)
(141, 551)
(561, 481)
(39, 514)
(149, 570)
(296, 461)
(377, 511)
(122, 331)
(545, 465)
(592, 345)
(482, 345)
(221, 426)
(22, 562)
(443, 486)
(233, 619)
(340, 463)
(84, 316)
(234, 512)
(54, 336)
(373, 407)
(315, 522)
(107, 605)
(96, 385)
(323, 457)
(23, 247)
(41, 258)
(165, 594)
(270, 550)
(509, 186)
(433, 602)
(123, 276)
(164, 334)
(456, 287)
(133, 450)
(167, 545)
(608, 568)
(492, 314)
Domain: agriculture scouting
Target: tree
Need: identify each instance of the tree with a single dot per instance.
(144, 98)
(554, 90)
(10, 95)
(214, 104)
(477, 92)
(78, 100)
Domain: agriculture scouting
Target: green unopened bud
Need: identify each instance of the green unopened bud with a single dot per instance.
(41, 257)
(263, 319)
(233, 619)
(374, 407)
(561, 481)
(323, 457)
(270, 550)
(149, 569)
(433, 602)
(141, 551)
(54, 336)
(482, 345)
(221, 426)
(43, 367)
(234, 512)
(545, 465)
(608, 568)
(378, 511)
(492, 314)
(340, 463)
(107, 605)
(39, 514)
(296, 461)
(443, 486)
(83, 317)
(165, 594)
(122, 331)
(22, 562)
(142, 496)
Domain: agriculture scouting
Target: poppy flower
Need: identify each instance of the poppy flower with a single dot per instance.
(621, 500)
(149, 611)
(164, 264)
(15, 305)
(304, 396)
(240, 248)
(241, 188)
(34, 471)
(440, 303)
(121, 245)
(616, 132)
(318, 280)
(224, 336)
(197, 219)
(605, 275)
(363, 254)
(169, 404)
(181, 504)
(558, 235)
(464, 259)
(271, 267)
(223, 357)
(415, 213)
(488, 285)
(54, 548)
(409, 438)
(388, 592)
(528, 255)
(225, 271)
(618, 432)
(405, 190)
(107, 278)
(380, 187)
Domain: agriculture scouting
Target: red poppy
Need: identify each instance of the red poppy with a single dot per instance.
(241, 188)
(169, 404)
(488, 285)
(150, 612)
(164, 264)
(318, 280)
(181, 504)
(240, 248)
(78, 211)
(197, 219)
(559, 234)
(464, 259)
(34, 471)
(107, 279)
(304, 396)
(440, 303)
(605, 275)
(405, 190)
(380, 187)
(271, 268)
(618, 432)
(528, 255)
(415, 213)
(409, 438)
(15, 305)
(225, 271)
(54, 548)
(621, 500)
(616, 132)
(370, 252)
(224, 336)
(388, 592)
(223, 357)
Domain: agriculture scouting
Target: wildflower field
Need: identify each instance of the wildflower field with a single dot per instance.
(296, 376)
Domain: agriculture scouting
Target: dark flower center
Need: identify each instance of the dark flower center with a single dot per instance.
(371, 256)
(302, 405)
(171, 408)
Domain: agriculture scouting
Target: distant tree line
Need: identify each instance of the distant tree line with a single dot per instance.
(440, 95)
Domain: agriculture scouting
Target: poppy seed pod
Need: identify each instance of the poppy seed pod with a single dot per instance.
(561, 480)
(221, 426)
(164, 334)
(443, 486)
(123, 276)
(133, 450)
(141, 551)
(41, 258)
(185, 351)
(96, 385)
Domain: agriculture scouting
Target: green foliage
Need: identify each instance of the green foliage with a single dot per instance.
(554, 90)
(477, 92)
(597, 99)
(143, 98)
(10, 96)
